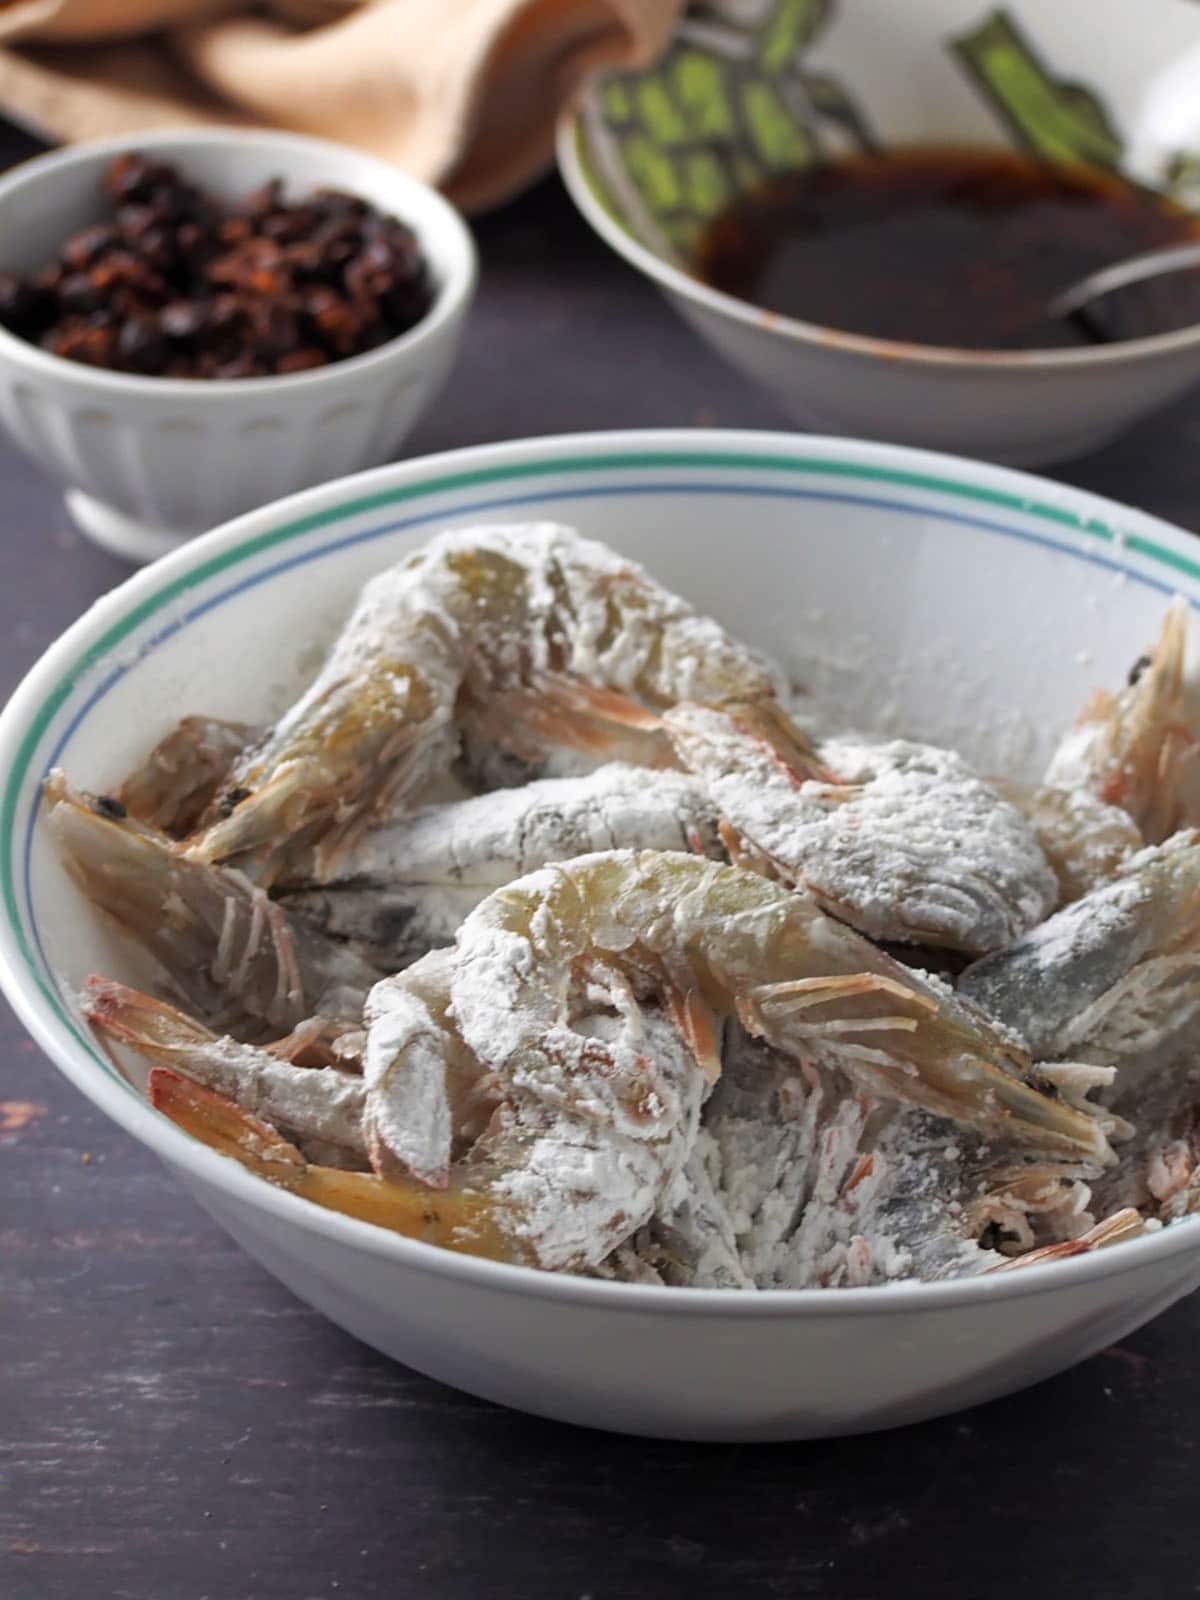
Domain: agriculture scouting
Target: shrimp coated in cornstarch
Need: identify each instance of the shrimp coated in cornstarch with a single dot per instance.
(1086, 841)
(430, 1098)
(405, 888)
(420, 1090)
(907, 845)
(530, 637)
(692, 933)
(227, 951)
(538, 1185)
(1113, 978)
(800, 1181)
(320, 1108)
(427, 1112)
(1138, 749)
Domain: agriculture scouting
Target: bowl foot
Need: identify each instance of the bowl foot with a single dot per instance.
(119, 534)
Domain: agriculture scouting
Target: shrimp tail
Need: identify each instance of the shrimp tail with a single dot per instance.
(154, 1029)
(457, 1218)
(322, 1106)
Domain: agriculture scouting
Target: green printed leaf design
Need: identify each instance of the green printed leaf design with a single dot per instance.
(792, 25)
(1182, 178)
(1059, 121)
(779, 140)
(617, 101)
(702, 91)
(658, 112)
(725, 109)
(708, 189)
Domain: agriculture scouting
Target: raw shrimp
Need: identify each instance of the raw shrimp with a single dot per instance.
(693, 931)
(428, 1111)
(1138, 749)
(1112, 978)
(429, 1098)
(180, 777)
(420, 1088)
(405, 888)
(458, 1218)
(320, 1108)
(607, 1183)
(530, 636)
(907, 845)
(1086, 841)
(690, 1242)
(801, 1181)
(228, 952)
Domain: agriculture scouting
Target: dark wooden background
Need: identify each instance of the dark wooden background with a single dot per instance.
(174, 1426)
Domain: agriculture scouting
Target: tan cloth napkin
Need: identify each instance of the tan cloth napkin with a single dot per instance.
(462, 93)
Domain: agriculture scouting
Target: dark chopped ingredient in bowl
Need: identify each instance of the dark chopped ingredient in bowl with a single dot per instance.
(177, 285)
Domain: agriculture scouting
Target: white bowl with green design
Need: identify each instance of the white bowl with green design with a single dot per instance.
(912, 592)
(751, 89)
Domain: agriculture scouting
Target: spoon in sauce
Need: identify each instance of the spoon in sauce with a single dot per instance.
(1111, 304)
(963, 248)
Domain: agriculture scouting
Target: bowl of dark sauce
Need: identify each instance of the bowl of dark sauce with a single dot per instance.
(942, 246)
(868, 209)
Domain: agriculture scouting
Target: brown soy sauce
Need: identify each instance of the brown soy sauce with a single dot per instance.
(947, 247)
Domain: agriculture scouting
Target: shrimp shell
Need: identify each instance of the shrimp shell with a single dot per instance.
(905, 843)
(538, 636)
(224, 949)
(405, 889)
(799, 1181)
(181, 776)
(1086, 841)
(1112, 976)
(1138, 749)
(681, 926)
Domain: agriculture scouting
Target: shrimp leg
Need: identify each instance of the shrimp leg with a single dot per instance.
(225, 949)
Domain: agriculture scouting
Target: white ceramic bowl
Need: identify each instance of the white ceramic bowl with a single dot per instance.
(754, 87)
(980, 604)
(148, 462)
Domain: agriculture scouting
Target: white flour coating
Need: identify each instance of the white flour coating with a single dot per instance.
(1082, 757)
(797, 1181)
(412, 1055)
(912, 846)
(1162, 1158)
(491, 839)
(319, 1108)
(526, 637)
(537, 598)
(405, 889)
(1085, 841)
(575, 1185)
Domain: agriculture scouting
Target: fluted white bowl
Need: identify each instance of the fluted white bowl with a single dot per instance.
(952, 600)
(148, 462)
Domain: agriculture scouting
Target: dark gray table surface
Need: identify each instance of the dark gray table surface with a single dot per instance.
(174, 1426)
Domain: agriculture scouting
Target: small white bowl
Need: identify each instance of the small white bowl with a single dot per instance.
(149, 462)
(957, 601)
(752, 89)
